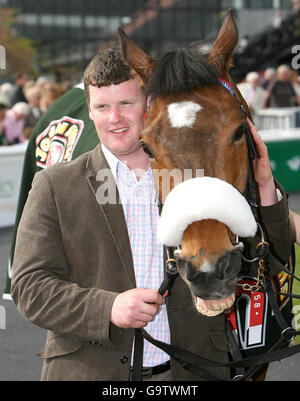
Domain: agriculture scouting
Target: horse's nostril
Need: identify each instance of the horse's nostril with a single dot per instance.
(191, 272)
(228, 265)
(222, 265)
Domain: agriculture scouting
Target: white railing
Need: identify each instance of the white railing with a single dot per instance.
(278, 118)
(11, 166)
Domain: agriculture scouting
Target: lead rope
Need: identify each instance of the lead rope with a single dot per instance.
(170, 273)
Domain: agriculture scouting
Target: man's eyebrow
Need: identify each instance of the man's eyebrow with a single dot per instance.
(95, 105)
(130, 99)
(125, 100)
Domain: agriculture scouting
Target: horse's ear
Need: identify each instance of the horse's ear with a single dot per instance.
(223, 47)
(142, 64)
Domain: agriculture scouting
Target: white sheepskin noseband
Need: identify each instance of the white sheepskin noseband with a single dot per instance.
(204, 198)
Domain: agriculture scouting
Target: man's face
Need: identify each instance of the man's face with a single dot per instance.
(283, 75)
(20, 116)
(117, 112)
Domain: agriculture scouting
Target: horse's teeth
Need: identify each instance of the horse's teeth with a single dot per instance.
(214, 308)
(207, 312)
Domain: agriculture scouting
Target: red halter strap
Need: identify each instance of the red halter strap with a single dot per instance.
(227, 86)
(149, 100)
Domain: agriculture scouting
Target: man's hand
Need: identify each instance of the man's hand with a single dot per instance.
(295, 224)
(262, 170)
(135, 308)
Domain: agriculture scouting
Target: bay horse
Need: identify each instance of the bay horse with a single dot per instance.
(195, 122)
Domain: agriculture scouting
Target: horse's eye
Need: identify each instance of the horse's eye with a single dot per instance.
(238, 134)
(147, 150)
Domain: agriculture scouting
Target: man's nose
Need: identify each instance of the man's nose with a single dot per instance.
(114, 115)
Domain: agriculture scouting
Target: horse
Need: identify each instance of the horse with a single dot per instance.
(196, 120)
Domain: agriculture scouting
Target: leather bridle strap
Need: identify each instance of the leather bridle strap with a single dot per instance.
(251, 184)
(197, 364)
(137, 356)
(252, 154)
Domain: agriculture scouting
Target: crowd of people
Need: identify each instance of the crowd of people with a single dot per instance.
(23, 103)
(271, 88)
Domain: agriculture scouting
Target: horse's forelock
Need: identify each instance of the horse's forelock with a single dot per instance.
(180, 71)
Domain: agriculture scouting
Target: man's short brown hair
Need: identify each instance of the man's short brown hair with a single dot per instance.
(106, 68)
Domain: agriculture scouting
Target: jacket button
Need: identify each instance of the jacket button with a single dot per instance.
(124, 359)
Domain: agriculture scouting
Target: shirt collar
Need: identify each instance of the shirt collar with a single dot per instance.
(114, 162)
(111, 159)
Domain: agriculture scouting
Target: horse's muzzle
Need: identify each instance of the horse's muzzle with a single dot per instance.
(228, 266)
(215, 282)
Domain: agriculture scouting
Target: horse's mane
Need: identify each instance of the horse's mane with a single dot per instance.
(179, 71)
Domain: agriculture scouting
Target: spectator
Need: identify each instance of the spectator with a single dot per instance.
(28, 84)
(6, 90)
(280, 93)
(269, 76)
(296, 6)
(33, 97)
(49, 94)
(3, 109)
(64, 87)
(18, 94)
(277, 20)
(253, 93)
(296, 84)
(13, 123)
(42, 81)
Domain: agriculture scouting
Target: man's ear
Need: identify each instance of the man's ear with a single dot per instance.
(90, 114)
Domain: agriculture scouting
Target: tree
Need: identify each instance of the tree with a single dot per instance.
(20, 52)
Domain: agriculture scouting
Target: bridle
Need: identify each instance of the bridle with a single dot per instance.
(251, 186)
(195, 363)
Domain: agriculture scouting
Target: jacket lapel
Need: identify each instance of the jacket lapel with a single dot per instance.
(103, 185)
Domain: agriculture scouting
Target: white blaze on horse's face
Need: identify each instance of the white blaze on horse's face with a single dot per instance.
(183, 114)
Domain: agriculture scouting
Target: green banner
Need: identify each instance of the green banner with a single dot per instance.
(285, 162)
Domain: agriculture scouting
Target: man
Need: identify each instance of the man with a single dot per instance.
(88, 271)
(32, 95)
(253, 93)
(13, 123)
(18, 94)
(280, 92)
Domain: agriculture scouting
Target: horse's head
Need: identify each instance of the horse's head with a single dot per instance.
(193, 124)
